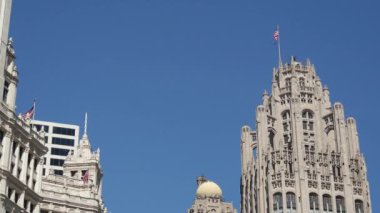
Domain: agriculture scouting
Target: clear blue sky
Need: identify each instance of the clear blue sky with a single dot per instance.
(169, 83)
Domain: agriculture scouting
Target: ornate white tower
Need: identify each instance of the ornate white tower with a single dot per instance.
(209, 198)
(79, 189)
(83, 162)
(304, 155)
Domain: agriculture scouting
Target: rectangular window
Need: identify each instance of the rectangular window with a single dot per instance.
(63, 131)
(9, 192)
(286, 126)
(14, 146)
(61, 152)
(58, 172)
(25, 203)
(304, 125)
(63, 141)
(5, 91)
(29, 158)
(17, 196)
(39, 127)
(1, 136)
(21, 150)
(311, 126)
(56, 162)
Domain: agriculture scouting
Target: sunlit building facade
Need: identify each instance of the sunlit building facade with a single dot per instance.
(79, 188)
(21, 147)
(304, 155)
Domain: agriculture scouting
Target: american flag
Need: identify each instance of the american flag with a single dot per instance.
(276, 35)
(85, 177)
(28, 114)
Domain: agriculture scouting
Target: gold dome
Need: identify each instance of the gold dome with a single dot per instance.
(209, 189)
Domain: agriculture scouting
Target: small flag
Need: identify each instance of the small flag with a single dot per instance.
(276, 35)
(85, 177)
(28, 114)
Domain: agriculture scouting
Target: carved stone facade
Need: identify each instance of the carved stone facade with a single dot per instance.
(304, 155)
(79, 189)
(21, 147)
(209, 199)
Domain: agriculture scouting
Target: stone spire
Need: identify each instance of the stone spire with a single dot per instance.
(85, 140)
(85, 125)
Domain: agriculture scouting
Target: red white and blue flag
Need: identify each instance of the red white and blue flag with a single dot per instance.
(85, 177)
(28, 114)
(276, 35)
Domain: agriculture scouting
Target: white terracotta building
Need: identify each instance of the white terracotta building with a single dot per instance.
(79, 189)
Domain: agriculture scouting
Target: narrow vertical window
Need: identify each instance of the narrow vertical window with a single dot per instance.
(5, 91)
(327, 206)
(359, 206)
(286, 123)
(277, 203)
(313, 201)
(271, 139)
(1, 136)
(308, 126)
(340, 207)
(291, 202)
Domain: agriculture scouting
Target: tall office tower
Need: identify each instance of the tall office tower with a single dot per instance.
(209, 198)
(304, 155)
(61, 139)
(21, 148)
(79, 189)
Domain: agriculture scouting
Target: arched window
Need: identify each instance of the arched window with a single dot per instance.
(308, 126)
(359, 206)
(340, 207)
(277, 203)
(313, 201)
(287, 126)
(327, 205)
(291, 202)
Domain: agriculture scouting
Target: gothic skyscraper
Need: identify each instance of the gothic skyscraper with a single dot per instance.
(304, 155)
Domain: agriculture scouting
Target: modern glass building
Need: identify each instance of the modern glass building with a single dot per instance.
(61, 139)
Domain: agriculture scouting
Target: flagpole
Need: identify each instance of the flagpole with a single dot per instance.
(34, 108)
(279, 47)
